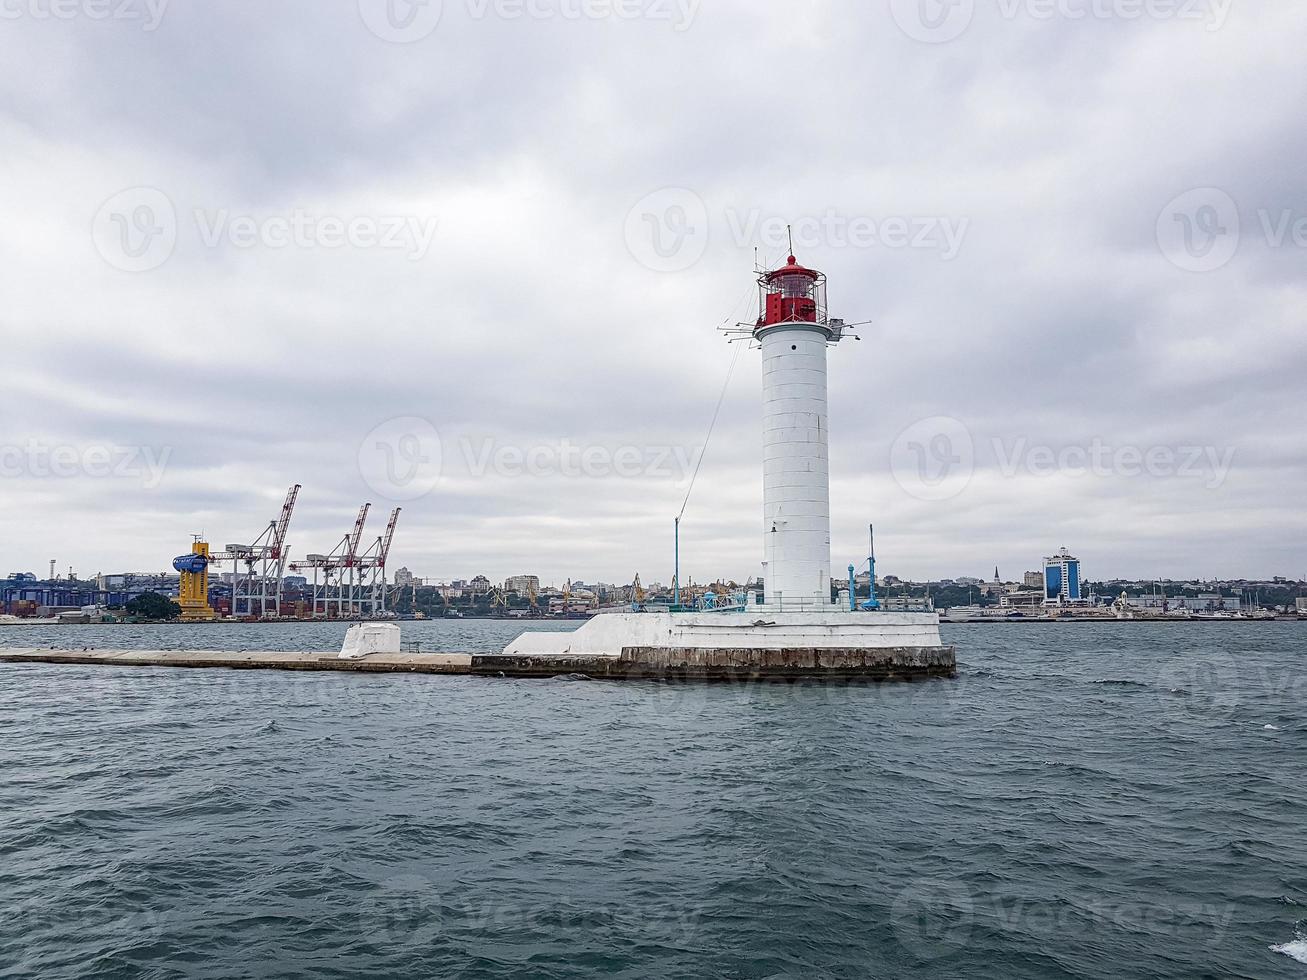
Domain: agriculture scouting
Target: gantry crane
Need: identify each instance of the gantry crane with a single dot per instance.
(346, 583)
(256, 592)
(257, 571)
(372, 569)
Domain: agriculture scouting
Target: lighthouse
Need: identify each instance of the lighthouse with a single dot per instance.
(798, 631)
(793, 332)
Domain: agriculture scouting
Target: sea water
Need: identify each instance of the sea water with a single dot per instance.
(1106, 800)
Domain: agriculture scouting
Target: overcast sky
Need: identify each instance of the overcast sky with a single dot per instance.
(471, 259)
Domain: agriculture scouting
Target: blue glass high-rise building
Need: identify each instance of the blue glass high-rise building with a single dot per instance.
(1062, 579)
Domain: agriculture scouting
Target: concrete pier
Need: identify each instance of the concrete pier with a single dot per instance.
(634, 663)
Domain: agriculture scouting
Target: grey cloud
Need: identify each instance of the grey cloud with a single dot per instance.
(530, 322)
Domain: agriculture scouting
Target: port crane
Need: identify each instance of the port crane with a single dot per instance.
(257, 571)
(335, 578)
(347, 583)
(256, 590)
(372, 569)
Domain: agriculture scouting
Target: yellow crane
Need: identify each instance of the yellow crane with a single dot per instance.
(193, 595)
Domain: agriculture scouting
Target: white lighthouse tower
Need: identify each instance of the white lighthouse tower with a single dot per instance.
(799, 630)
(794, 331)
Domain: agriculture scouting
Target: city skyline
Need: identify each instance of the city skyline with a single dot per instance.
(497, 579)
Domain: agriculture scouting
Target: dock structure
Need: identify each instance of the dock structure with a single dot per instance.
(633, 664)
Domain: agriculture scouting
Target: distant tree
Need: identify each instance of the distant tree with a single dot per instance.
(151, 605)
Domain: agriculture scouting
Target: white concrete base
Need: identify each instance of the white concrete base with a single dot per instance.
(608, 634)
(366, 638)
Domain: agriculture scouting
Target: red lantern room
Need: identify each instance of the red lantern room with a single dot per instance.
(792, 294)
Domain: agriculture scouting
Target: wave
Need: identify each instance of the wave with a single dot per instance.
(1296, 950)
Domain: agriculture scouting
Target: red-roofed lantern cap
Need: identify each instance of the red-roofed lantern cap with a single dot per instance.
(792, 294)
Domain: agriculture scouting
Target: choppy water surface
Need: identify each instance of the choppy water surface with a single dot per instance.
(1084, 801)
